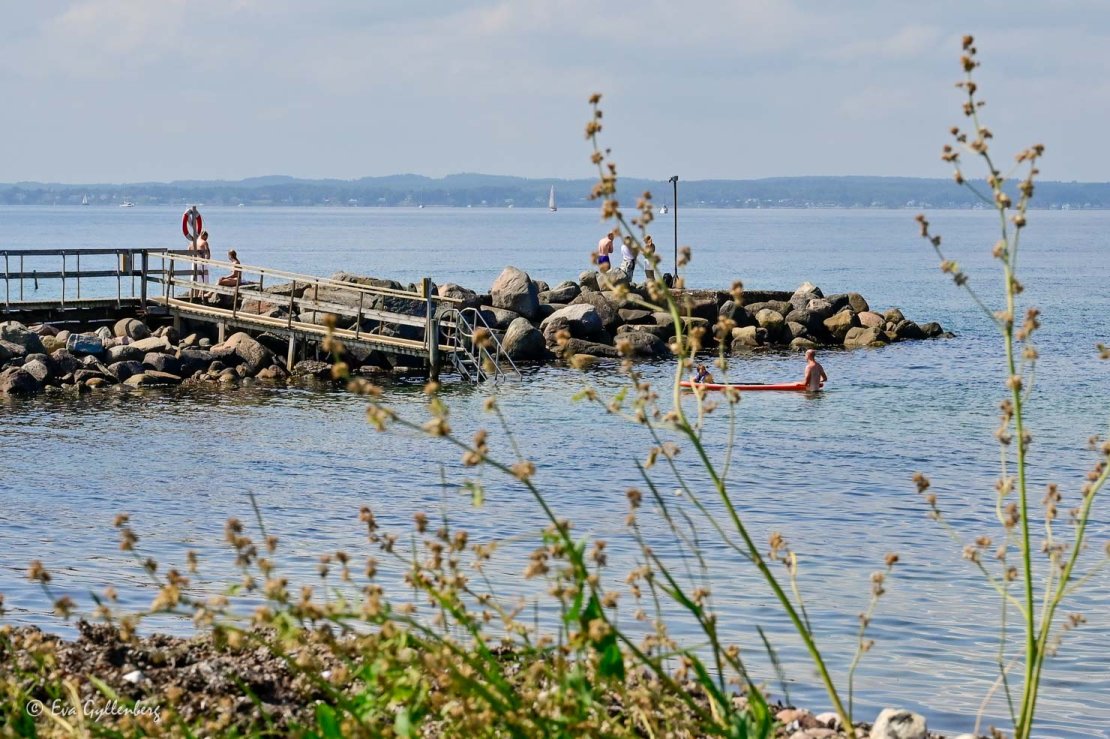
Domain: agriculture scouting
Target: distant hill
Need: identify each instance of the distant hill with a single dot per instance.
(497, 191)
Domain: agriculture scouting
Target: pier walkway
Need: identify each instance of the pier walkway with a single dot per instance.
(76, 286)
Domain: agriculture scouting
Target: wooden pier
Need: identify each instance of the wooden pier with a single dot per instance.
(168, 285)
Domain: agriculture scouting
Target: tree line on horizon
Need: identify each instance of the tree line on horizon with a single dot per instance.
(473, 190)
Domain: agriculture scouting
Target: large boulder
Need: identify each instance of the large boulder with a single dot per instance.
(564, 292)
(468, 298)
(498, 318)
(163, 363)
(581, 320)
(248, 350)
(801, 344)
(819, 307)
(63, 363)
(779, 306)
(634, 315)
(907, 329)
(588, 281)
(312, 368)
(125, 353)
(894, 316)
(641, 344)
(746, 336)
(150, 378)
(16, 333)
(838, 325)
(857, 303)
(699, 303)
(932, 329)
(37, 368)
(869, 319)
(736, 313)
(515, 291)
(606, 309)
(580, 346)
(152, 344)
(813, 323)
(898, 723)
(122, 370)
(17, 381)
(663, 332)
(523, 341)
(132, 328)
(10, 350)
(858, 337)
(195, 360)
(805, 293)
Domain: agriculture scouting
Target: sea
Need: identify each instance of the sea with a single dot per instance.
(832, 474)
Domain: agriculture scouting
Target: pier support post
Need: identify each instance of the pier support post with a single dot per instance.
(222, 332)
(431, 329)
(290, 355)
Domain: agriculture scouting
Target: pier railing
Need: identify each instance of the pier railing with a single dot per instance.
(73, 278)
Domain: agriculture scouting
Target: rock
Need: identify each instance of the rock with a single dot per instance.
(868, 319)
(541, 286)
(894, 316)
(931, 329)
(605, 308)
(152, 344)
(18, 334)
(736, 313)
(634, 315)
(579, 346)
(582, 361)
(122, 370)
(273, 372)
(746, 335)
(801, 344)
(858, 337)
(523, 341)
(564, 292)
(468, 298)
(217, 367)
(780, 306)
(808, 288)
(699, 303)
(104, 333)
(95, 382)
(251, 352)
(498, 318)
(796, 329)
(582, 321)
(312, 368)
(839, 324)
(132, 328)
(125, 353)
(588, 281)
(82, 376)
(814, 324)
(819, 307)
(150, 378)
(641, 344)
(857, 303)
(43, 329)
(751, 297)
(546, 309)
(163, 363)
(9, 351)
(839, 301)
(190, 340)
(829, 719)
(51, 344)
(16, 381)
(908, 330)
(663, 332)
(63, 362)
(898, 723)
(194, 360)
(771, 320)
(37, 369)
(515, 291)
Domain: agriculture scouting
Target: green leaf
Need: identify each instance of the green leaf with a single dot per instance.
(612, 661)
(403, 723)
(327, 722)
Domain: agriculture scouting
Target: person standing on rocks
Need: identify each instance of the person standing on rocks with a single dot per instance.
(649, 252)
(604, 249)
(815, 373)
(628, 261)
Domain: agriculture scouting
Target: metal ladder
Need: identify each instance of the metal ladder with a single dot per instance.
(473, 361)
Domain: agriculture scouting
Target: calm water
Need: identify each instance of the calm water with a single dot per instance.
(832, 473)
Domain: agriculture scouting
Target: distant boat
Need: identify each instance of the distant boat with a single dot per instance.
(551, 200)
(663, 209)
(127, 204)
(84, 200)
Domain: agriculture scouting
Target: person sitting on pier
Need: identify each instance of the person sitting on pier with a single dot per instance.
(236, 276)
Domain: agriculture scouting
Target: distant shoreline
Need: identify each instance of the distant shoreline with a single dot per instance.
(490, 191)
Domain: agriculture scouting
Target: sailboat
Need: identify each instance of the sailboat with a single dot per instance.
(551, 200)
(663, 209)
(84, 200)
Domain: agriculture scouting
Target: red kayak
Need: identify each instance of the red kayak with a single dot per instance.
(790, 386)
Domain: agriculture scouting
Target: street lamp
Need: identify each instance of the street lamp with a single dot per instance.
(674, 184)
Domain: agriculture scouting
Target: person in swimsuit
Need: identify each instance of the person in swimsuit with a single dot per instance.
(604, 249)
(703, 376)
(649, 267)
(815, 373)
(236, 275)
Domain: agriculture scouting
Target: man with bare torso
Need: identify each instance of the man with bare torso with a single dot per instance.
(815, 373)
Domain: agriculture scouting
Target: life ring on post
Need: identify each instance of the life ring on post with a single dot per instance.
(192, 224)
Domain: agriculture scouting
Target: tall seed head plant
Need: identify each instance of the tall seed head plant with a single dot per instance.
(1036, 582)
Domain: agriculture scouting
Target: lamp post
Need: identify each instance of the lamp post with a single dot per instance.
(674, 185)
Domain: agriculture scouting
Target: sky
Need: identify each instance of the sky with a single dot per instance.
(158, 90)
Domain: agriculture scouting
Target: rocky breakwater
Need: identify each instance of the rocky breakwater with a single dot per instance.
(46, 359)
(536, 321)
